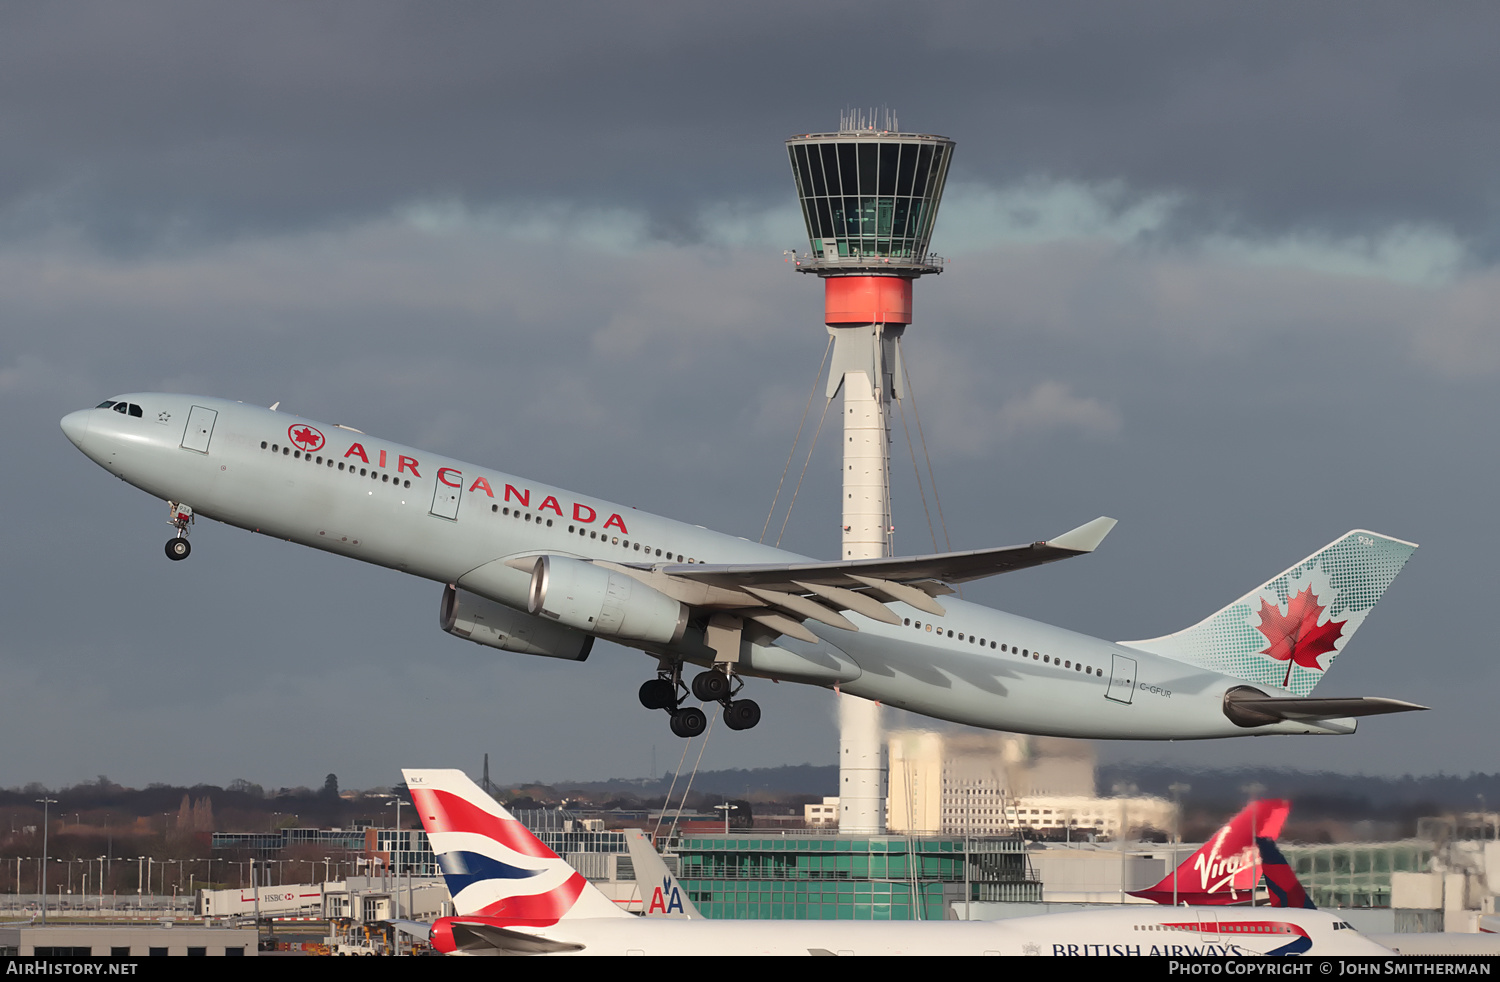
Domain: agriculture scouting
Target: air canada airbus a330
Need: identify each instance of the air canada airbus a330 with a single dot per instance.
(539, 570)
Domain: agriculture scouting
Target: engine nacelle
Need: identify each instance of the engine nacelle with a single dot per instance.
(591, 598)
(485, 622)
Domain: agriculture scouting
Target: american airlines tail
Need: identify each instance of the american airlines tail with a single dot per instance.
(661, 893)
(1226, 869)
(1287, 631)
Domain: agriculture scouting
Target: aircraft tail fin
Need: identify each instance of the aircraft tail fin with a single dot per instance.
(492, 863)
(1226, 869)
(1287, 631)
(661, 894)
(1283, 885)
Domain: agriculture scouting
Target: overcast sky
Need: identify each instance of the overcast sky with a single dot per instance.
(1227, 273)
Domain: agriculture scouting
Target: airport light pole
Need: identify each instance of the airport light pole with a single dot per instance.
(44, 802)
(1178, 789)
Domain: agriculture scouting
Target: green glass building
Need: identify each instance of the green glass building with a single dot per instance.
(1356, 874)
(834, 877)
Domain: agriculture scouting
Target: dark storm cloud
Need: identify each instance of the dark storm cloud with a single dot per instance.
(157, 121)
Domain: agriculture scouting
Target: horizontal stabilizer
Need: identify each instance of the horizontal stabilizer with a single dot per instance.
(1250, 707)
(480, 936)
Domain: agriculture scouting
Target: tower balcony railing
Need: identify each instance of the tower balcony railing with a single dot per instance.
(811, 262)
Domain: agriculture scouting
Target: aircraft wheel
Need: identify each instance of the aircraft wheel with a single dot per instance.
(178, 549)
(658, 694)
(742, 714)
(689, 722)
(711, 686)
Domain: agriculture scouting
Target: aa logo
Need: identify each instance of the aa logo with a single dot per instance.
(665, 899)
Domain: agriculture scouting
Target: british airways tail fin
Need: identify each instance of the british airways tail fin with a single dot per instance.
(494, 866)
(1227, 867)
(1283, 885)
(1287, 631)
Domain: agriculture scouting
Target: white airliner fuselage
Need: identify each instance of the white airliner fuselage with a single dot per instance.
(1131, 931)
(481, 532)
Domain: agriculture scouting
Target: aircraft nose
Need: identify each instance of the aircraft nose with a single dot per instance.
(76, 426)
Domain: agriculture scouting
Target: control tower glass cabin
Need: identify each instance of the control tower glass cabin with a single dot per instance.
(869, 199)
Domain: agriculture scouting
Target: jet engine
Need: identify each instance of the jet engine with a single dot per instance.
(485, 622)
(587, 597)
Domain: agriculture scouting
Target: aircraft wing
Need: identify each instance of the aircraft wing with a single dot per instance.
(947, 567)
(1253, 708)
(781, 595)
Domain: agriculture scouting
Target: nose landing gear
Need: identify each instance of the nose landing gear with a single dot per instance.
(180, 517)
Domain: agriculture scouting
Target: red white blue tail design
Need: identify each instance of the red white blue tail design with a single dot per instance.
(1283, 885)
(1228, 866)
(496, 869)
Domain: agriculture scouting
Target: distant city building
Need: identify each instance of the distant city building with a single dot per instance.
(1000, 783)
(822, 815)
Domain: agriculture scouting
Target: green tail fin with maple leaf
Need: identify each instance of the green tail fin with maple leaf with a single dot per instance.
(1286, 632)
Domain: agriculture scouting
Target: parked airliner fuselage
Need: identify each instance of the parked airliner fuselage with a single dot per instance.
(458, 523)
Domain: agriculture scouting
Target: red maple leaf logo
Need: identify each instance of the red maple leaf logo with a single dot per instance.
(1296, 637)
(307, 438)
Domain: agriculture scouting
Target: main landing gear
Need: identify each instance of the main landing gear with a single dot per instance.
(180, 517)
(665, 692)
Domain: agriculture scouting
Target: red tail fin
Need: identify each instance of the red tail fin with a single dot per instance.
(1283, 885)
(1228, 866)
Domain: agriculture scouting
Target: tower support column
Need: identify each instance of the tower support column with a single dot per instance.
(865, 366)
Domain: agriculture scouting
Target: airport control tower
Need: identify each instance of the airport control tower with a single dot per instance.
(870, 197)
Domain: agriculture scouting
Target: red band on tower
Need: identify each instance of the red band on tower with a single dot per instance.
(866, 300)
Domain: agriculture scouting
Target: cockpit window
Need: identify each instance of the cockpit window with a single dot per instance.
(123, 408)
(135, 410)
(105, 404)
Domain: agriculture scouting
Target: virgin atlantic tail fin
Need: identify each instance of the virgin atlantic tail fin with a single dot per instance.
(1227, 867)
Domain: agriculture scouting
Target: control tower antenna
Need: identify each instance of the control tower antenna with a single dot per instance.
(870, 198)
